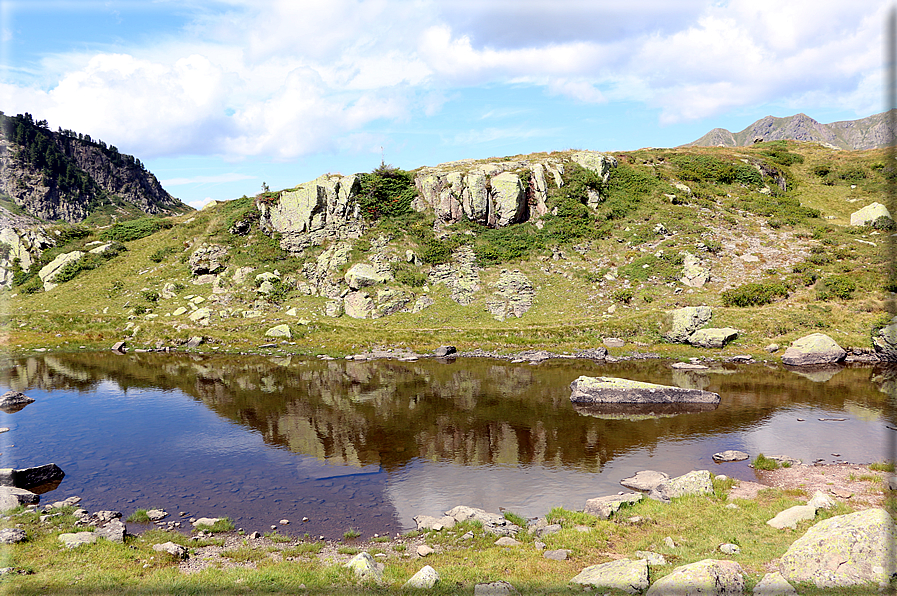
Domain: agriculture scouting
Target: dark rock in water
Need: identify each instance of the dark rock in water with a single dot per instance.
(628, 411)
(443, 351)
(31, 477)
(612, 390)
(13, 401)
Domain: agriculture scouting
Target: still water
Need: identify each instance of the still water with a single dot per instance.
(369, 445)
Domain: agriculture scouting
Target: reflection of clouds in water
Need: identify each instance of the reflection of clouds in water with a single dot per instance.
(857, 441)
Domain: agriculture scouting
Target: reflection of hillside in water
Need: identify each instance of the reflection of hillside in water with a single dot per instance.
(470, 412)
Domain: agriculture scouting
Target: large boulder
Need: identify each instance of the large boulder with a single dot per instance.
(362, 275)
(869, 214)
(11, 497)
(789, 518)
(30, 477)
(359, 305)
(13, 401)
(712, 337)
(685, 321)
(513, 296)
(627, 575)
(365, 568)
(508, 200)
(709, 577)
(282, 330)
(424, 579)
(813, 349)
(599, 163)
(23, 245)
(208, 259)
(846, 550)
(612, 390)
(604, 507)
(696, 482)
(48, 272)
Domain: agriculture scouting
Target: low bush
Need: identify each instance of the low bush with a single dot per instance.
(761, 462)
(135, 229)
(150, 295)
(834, 287)
(386, 192)
(409, 275)
(507, 244)
(159, 255)
(623, 295)
(754, 294)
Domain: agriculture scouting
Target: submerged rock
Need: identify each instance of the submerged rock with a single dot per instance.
(602, 390)
(644, 480)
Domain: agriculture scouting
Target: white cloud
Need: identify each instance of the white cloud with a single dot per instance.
(217, 179)
(201, 203)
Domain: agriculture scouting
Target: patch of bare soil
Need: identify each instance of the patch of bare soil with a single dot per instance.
(853, 484)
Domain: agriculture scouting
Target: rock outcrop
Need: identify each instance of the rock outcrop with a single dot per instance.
(208, 259)
(513, 295)
(314, 212)
(48, 272)
(461, 276)
(612, 390)
(23, 246)
(884, 341)
(813, 349)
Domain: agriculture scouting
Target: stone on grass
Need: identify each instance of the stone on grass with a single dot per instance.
(113, 531)
(195, 341)
(623, 574)
(668, 542)
(548, 529)
(729, 548)
(12, 536)
(506, 541)
(644, 480)
(813, 349)
(687, 320)
(651, 557)
(712, 337)
(694, 483)
(820, 500)
(869, 214)
(175, 550)
(604, 507)
(845, 550)
(790, 517)
(428, 522)
(201, 316)
(709, 577)
(730, 455)
(365, 568)
(613, 390)
(423, 550)
(363, 275)
(557, 555)
(425, 579)
(279, 331)
(11, 497)
(14, 400)
(72, 540)
(773, 584)
(499, 588)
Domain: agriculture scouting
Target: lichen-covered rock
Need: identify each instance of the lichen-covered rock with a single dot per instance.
(696, 482)
(709, 577)
(208, 258)
(513, 295)
(846, 550)
(76, 539)
(363, 275)
(712, 337)
(365, 568)
(687, 320)
(885, 342)
(175, 550)
(508, 205)
(461, 276)
(425, 579)
(333, 308)
(789, 518)
(279, 331)
(869, 214)
(623, 574)
(813, 349)
(48, 272)
(694, 274)
(22, 244)
(323, 209)
(359, 305)
(773, 584)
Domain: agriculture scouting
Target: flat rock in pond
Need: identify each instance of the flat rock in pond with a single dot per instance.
(613, 390)
(644, 480)
(13, 401)
(730, 455)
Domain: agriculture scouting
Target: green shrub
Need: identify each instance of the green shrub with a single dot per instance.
(883, 223)
(703, 168)
(835, 287)
(884, 466)
(626, 187)
(512, 243)
(852, 174)
(70, 233)
(822, 170)
(747, 175)
(150, 295)
(159, 255)
(32, 286)
(224, 524)
(761, 462)
(135, 229)
(782, 156)
(409, 275)
(623, 295)
(386, 192)
(436, 252)
(754, 294)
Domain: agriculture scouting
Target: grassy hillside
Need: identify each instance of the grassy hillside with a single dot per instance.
(609, 272)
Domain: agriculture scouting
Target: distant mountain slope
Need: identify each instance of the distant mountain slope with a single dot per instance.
(68, 176)
(866, 133)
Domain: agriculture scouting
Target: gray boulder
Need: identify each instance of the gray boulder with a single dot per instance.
(813, 349)
(789, 518)
(359, 305)
(208, 258)
(730, 455)
(623, 574)
(694, 275)
(425, 579)
(428, 522)
(443, 351)
(846, 550)
(604, 507)
(712, 337)
(363, 275)
(694, 483)
(773, 584)
(644, 480)
(12, 536)
(612, 390)
(492, 522)
(11, 497)
(556, 555)
(48, 272)
(499, 588)
(599, 163)
(365, 568)
(513, 295)
(508, 200)
(279, 331)
(175, 550)
(869, 214)
(114, 531)
(709, 577)
(885, 342)
(13, 401)
(652, 558)
(687, 320)
(76, 539)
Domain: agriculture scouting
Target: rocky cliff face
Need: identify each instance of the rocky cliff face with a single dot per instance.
(865, 133)
(62, 176)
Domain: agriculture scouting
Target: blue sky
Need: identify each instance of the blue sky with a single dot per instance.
(218, 97)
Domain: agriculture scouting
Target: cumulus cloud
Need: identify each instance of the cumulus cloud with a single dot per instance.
(289, 78)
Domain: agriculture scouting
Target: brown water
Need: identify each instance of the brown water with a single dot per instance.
(371, 444)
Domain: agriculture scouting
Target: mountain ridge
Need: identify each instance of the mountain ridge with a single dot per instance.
(865, 133)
